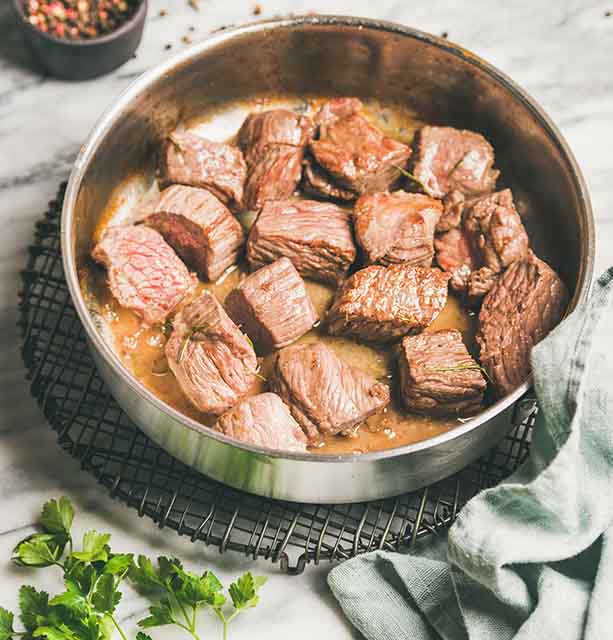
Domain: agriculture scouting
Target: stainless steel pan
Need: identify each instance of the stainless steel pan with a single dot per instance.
(329, 55)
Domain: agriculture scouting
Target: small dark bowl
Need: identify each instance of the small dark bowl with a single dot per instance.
(83, 59)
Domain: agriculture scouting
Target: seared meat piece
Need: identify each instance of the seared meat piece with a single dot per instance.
(272, 128)
(272, 306)
(274, 176)
(453, 207)
(265, 421)
(316, 182)
(144, 273)
(197, 162)
(315, 236)
(355, 154)
(273, 143)
(496, 230)
(491, 237)
(456, 256)
(396, 227)
(438, 376)
(383, 303)
(199, 228)
(478, 285)
(337, 108)
(448, 159)
(324, 394)
(528, 300)
(213, 362)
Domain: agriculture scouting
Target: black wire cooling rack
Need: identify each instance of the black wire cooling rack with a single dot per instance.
(92, 428)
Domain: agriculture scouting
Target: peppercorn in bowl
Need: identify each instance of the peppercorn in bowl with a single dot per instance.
(81, 39)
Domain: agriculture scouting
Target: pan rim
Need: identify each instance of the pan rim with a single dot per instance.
(105, 124)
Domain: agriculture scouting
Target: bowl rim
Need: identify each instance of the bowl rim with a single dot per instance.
(106, 121)
(137, 17)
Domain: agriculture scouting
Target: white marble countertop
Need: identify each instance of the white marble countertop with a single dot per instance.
(560, 51)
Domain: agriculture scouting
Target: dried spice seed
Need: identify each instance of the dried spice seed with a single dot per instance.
(257, 10)
(79, 19)
(168, 46)
(194, 4)
(445, 35)
(186, 40)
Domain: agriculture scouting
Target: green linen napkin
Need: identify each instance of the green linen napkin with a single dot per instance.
(533, 557)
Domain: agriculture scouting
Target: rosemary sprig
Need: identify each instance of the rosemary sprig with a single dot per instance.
(457, 164)
(188, 338)
(467, 365)
(410, 176)
(257, 371)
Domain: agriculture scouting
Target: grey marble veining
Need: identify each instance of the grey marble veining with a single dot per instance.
(561, 52)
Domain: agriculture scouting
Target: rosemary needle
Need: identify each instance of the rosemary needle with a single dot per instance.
(188, 338)
(457, 164)
(410, 176)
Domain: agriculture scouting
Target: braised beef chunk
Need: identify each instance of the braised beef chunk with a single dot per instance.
(199, 228)
(383, 303)
(272, 306)
(315, 236)
(274, 176)
(213, 362)
(496, 231)
(456, 256)
(273, 128)
(453, 208)
(144, 273)
(478, 285)
(325, 395)
(265, 421)
(317, 183)
(448, 159)
(337, 108)
(526, 302)
(396, 227)
(438, 376)
(352, 153)
(490, 238)
(273, 143)
(197, 162)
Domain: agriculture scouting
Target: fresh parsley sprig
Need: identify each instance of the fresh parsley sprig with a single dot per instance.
(92, 577)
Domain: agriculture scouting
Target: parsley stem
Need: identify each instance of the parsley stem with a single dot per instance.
(192, 632)
(121, 633)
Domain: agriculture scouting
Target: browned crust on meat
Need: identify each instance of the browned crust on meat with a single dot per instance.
(438, 376)
(524, 305)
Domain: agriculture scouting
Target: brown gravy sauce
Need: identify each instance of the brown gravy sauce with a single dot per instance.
(142, 349)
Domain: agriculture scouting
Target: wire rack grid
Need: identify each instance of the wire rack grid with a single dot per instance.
(92, 428)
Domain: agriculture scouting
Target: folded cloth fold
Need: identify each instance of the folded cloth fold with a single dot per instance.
(530, 559)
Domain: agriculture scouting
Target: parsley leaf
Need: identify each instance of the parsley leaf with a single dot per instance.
(95, 547)
(169, 568)
(73, 601)
(34, 607)
(244, 591)
(60, 632)
(106, 597)
(57, 516)
(159, 615)
(144, 576)
(80, 578)
(119, 563)
(38, 550)
(6, 624)
(92, 576)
